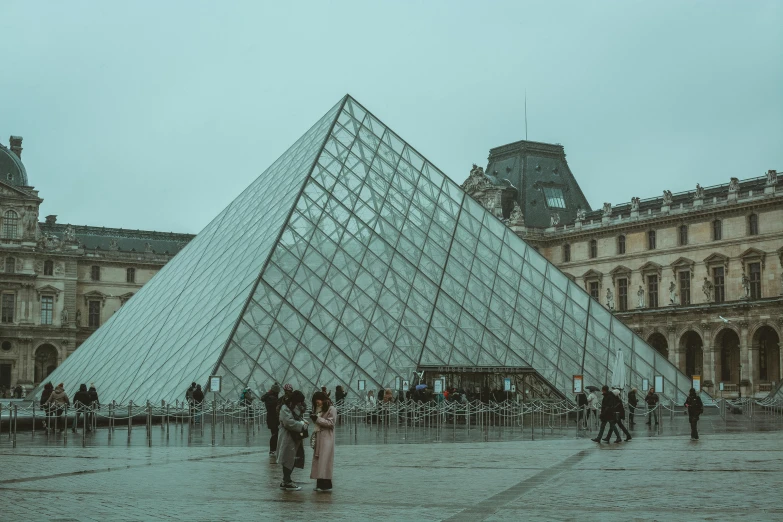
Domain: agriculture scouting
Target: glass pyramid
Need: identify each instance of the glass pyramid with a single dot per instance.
(354, 258)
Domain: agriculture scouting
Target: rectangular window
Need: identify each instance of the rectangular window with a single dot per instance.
(554, 197)
(8, 306)
(566, 253)
(47, 307)
(95, 273)
(755, 280)
(594, 290)
(593, 249)
(94, 313)
(753, 225)
(621, 245)
(622, 294)
(719, 280)
(717, 230)
(685, 287)
(652, 291)
(651, 240)
(684, 235)
(130, 275)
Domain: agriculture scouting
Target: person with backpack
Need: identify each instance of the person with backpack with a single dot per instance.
(619, 410)
(632, 402)
(652, 400)
(694, 408)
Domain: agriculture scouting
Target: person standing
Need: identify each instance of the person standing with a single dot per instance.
(339, 395)
(189, 398)
(632, 402)
(272, 417)
(608, 407)
(45, 394)
(620, 416)
(198, 400)
(58, 401)
(652, 400)
(81, 403)
(695, 408)
(290, 453)
(96, 404)
(324, 418)
(592, 408)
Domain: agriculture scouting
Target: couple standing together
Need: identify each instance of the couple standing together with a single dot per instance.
(294, 433)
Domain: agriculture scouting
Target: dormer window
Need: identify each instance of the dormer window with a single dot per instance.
(554, 197)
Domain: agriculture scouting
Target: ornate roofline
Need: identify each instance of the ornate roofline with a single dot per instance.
(117, 232)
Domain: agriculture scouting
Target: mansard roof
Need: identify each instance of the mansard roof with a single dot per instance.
(102, 238)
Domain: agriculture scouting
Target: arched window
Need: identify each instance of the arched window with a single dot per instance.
(48, 267)
(621, 244)
(130, 275)
(717, 230)
(566, 253)
(683, 233)
(10, 265)
(593, 249)
(10, 224)
(753, 225)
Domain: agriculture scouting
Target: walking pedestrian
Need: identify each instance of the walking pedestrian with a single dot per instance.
(620, 416)
(695, 408)
(632, 402)
(58, 402)
(189, 398)
(324, 418)
(47, 408)
(339, 395)
(607, 416)
(652, 400)
(290, 453)
(81, 403)
(272, 417)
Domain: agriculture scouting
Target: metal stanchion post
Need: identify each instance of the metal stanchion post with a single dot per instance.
(9, 422)
(130, 418)
(214, 418)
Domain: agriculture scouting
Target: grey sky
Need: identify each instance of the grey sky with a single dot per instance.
(155, 115)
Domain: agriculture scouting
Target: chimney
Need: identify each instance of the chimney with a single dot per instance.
(16, 145)
(51, 219)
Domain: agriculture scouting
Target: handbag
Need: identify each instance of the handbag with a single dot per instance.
(313, 439)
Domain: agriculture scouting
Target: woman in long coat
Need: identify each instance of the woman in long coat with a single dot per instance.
(290, 453)
(324, 418)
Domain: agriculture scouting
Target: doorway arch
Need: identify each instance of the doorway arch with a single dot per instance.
(45, 361)
(727, 356)
(659, 342)
(766, 343)
(691, 347)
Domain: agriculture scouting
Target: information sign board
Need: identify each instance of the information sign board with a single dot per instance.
(578, 384)
(215, 383)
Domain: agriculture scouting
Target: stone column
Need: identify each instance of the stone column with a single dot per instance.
(746, 357)
(674, 348)
(708, 359)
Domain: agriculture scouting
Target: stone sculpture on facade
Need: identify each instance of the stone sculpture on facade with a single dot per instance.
(699, 192)
(672, 293)
(147, 248)
(113, 245)
(516, 218)
(745, 286)
(78, 318)
(607, 209)
(476, 180)
(554, 219)
(581, 214)
(708, 289)
(667, 197)
(609, 300)
(69, 236)
(635, 204)
(733, 185)
(772, 178)
(640, 295)
(64, 317)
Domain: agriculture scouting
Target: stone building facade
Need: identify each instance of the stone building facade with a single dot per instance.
(60, 282)
(698, 274)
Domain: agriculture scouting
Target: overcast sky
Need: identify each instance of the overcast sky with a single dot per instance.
(155, 115)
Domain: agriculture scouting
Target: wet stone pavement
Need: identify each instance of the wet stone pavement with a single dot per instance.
(734, 471)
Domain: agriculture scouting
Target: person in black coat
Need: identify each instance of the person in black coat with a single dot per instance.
(652, 400)
(82, 403)
(695, 408)
(96, 404)
(47, 408)
(198, 399)
(632, 402)
(270, 400)
(620, 416)
(339, 395)
(608, 407)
